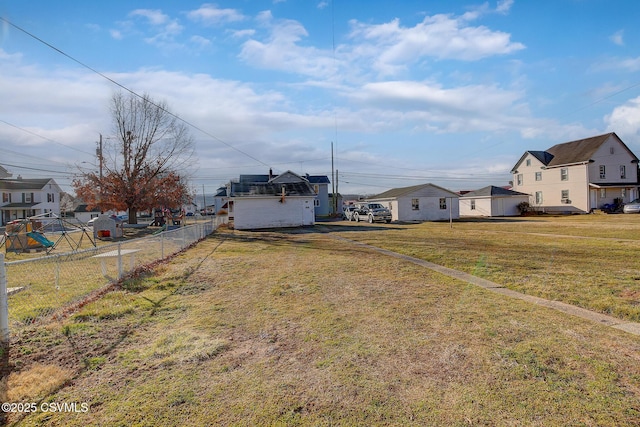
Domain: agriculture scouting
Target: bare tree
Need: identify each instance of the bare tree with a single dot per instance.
(145, 164)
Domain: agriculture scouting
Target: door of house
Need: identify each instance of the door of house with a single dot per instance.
(593, 196)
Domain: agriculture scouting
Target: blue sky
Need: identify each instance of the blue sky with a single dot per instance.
(447, 92)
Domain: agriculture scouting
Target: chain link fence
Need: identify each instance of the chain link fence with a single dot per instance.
(44, 288)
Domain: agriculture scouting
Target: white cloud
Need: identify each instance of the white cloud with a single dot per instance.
(618, 64)
(281, 50)
(200, 41)
(617, 38)
(438, 36)
(623, 120)
(504, 6)
(155, 17)
(212, 15)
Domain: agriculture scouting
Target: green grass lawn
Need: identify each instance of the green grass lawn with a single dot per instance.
(300, 328)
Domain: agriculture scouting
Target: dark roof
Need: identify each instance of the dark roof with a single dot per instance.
(492, 190)
(23, 184)
(254, 178)
(543, 156)
(10, 206)
(578, 151)
(572, 152)
(302, 188)
(318, 179)
(83, 208)
(399, 192)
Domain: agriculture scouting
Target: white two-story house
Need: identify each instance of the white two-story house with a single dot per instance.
(578, 176)
(24, 198)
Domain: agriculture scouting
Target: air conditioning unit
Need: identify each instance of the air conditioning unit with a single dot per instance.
(566, 201)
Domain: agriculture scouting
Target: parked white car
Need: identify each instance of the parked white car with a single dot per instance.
(632, 207)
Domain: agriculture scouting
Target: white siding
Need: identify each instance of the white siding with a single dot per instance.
(258, 212)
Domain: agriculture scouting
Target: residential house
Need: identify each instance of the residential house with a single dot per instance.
(578, 176)
(83, 214)
(286, 200)
(492, 201)
(319, 183)
(424, 202)
(190, 208)
(5, 173)
(220, 200)
(24, 198)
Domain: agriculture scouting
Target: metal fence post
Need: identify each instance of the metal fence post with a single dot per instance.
(4, 305)
(162, 245)
(57, 258)
(119, 261)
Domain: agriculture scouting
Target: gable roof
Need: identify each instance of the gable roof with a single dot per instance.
(25, 184)
(581, 150)
(403, 191)
(492, 190)
(572, 152)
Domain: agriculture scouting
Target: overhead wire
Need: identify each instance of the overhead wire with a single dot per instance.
(132, 92)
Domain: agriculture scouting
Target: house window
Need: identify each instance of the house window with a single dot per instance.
(50, 197)
(415, 204)
(473, 204)
(623, 172)
(603, 193)
(6, 197)
(611, 150)
(28, 197)
(565, 195)
(528, 162)
(443, 203)
(316, 202)
(564, 174)
(519, 179)
(538, 176)
(603, 172)
(538, 197)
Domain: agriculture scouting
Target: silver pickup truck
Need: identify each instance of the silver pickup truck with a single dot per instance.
(371, 212)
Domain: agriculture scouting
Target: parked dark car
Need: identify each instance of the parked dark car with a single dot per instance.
(371, 212)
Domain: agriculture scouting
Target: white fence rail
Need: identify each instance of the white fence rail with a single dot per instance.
(42, 287)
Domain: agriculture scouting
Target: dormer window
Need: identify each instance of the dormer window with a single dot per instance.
(611, 150)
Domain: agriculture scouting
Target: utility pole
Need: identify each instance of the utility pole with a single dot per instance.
(333, 185)
(204, 200)
(99, 155)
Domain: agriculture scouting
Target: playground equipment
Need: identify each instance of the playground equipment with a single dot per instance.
(27, 235)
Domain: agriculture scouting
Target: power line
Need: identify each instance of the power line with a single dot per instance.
(40, 136)
(129, 90)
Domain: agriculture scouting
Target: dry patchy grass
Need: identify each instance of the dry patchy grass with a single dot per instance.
(588, 260)
(297, 328)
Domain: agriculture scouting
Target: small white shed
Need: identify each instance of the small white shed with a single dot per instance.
(492, 201)
(425, 202)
